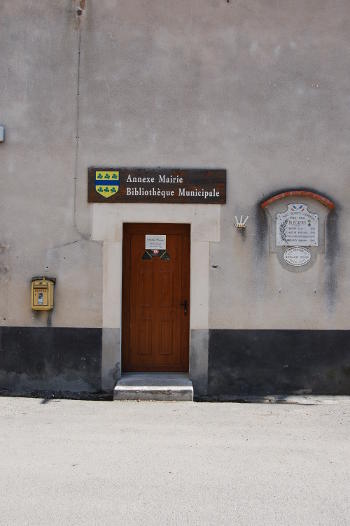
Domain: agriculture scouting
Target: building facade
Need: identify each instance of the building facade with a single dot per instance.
(257, 90)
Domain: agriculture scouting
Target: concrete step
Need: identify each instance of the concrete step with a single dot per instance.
(154, 386)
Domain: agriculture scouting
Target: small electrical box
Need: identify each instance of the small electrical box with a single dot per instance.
(2, 133)
(42, 293)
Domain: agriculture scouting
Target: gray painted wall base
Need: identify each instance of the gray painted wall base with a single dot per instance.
(269, 362)
(154, 386)
(50, 359)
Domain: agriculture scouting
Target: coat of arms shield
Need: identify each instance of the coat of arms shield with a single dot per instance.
(107, 183)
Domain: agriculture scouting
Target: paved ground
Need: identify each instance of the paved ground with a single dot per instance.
(109, 463)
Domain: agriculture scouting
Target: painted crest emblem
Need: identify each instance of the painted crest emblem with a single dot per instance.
(107, 183)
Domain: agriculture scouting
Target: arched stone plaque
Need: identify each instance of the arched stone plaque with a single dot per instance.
(297, 227)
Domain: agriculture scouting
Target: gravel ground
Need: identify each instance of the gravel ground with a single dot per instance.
(70, 462)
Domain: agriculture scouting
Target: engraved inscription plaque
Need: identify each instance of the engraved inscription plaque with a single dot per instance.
(297, 227)
(297, 256)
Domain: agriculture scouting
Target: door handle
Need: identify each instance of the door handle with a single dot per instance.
(185, 306)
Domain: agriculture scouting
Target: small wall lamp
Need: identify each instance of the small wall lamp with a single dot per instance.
(241, 223)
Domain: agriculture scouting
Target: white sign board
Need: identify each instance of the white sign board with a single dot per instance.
(297, 227)
(155, 242)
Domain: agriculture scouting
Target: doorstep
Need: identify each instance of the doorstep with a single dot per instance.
(154, 386)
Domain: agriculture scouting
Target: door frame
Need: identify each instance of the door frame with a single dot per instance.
(107, 227)
(126, 258)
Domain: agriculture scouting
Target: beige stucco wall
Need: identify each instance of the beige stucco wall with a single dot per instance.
(258, 87)
(38, 85)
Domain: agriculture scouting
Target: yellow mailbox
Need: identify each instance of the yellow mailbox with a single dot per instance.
(42, 293)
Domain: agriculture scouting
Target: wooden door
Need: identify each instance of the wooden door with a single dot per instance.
(156, 294)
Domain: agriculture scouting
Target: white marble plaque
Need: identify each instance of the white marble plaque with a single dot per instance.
(297, 227)
(297, 256)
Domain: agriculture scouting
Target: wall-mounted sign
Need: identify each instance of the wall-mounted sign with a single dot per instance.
(155, 242)
(156, 185)
(297, 227)
(297, 256)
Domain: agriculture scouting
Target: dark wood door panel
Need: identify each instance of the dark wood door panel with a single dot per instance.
(155, 325)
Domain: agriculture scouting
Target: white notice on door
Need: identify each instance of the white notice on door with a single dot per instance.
(155, 242)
